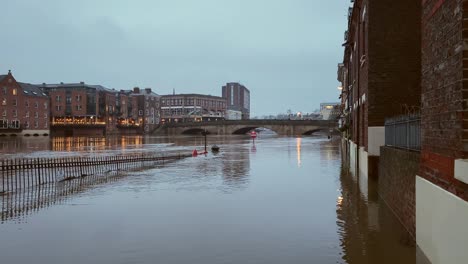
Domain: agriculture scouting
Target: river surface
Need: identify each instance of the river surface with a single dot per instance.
(280, 200)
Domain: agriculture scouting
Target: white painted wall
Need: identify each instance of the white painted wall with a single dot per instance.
(363, 169)
(441, 224)
(363, 172)
(376, 139)
(461, 170)
(363, 162)
(352, 158)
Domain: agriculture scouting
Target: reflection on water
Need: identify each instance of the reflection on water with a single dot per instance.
(298, 148)
(280, 200)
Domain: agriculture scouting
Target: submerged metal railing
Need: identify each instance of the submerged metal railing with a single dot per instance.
(24, 173)
(403, 132)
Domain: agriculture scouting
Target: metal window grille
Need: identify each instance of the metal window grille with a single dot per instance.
(403, 132)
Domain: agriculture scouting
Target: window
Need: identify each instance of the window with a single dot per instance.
(26, 103)
(27, 114)
(4, 112)
(45, 105)
(4, 90)
(36, 124)
(36, 104)
(68, 99)
(45, 124)
(57, 98)
(26, 124)
(15, 113)
(78, 98)
(4, 102)
(15, 102)
(140, 112)
(78, 107)
(58, 107)
(15, 124)
(14, 91)
(45, 115)
(36, 114)
(4, 123)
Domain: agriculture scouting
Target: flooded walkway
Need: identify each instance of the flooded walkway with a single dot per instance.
(282, 200)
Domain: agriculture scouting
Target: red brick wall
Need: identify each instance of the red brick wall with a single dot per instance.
(358, 71)
(397, 170)
(41, 119)
(54, 103)
(394, 58)
(443, 106)
(7, 85)
(78, 99)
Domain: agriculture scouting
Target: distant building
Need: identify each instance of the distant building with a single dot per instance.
(192, 108)
(81, 109)
(147, 108)
(238, 98)
(330, 111)
(24, 108)
(233, 115)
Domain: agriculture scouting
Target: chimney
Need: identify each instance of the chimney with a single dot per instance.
(148, 90)
(136, 90)
(9, 72)
(61, 82)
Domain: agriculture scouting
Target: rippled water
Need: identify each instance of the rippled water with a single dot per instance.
(282, 200)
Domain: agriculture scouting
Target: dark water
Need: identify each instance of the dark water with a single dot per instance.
(282, 200)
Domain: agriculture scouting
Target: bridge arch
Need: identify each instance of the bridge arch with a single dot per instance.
(194, 131)
(312, 131)
(243, 130)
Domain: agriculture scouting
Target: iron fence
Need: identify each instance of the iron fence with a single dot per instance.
(403, 132)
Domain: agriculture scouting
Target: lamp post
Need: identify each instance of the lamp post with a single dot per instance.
(204, 134)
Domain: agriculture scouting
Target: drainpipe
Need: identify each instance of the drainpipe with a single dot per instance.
(358, 104)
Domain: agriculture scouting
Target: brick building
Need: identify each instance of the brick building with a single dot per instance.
(442, 182)
(238, 98)
(81, 109)
(379, 74)
(146, 106)
(24, 108)
(192, 108)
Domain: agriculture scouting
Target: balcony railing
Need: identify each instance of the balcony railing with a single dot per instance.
(403, 132)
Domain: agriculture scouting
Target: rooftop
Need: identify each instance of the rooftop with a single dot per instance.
(193, 95)
(32, 90)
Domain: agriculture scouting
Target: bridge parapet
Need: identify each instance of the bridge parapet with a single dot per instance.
(256, 122)
(227, 127)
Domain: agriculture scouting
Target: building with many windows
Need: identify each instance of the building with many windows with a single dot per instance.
(238, 98)
(82, 109)
(144, 105)
(192, 108)
(24, 108)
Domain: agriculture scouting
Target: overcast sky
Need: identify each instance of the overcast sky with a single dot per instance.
(285, 51)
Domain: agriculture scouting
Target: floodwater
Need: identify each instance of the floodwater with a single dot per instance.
(280, 200)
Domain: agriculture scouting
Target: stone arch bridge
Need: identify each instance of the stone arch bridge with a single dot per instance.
(233, 127)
